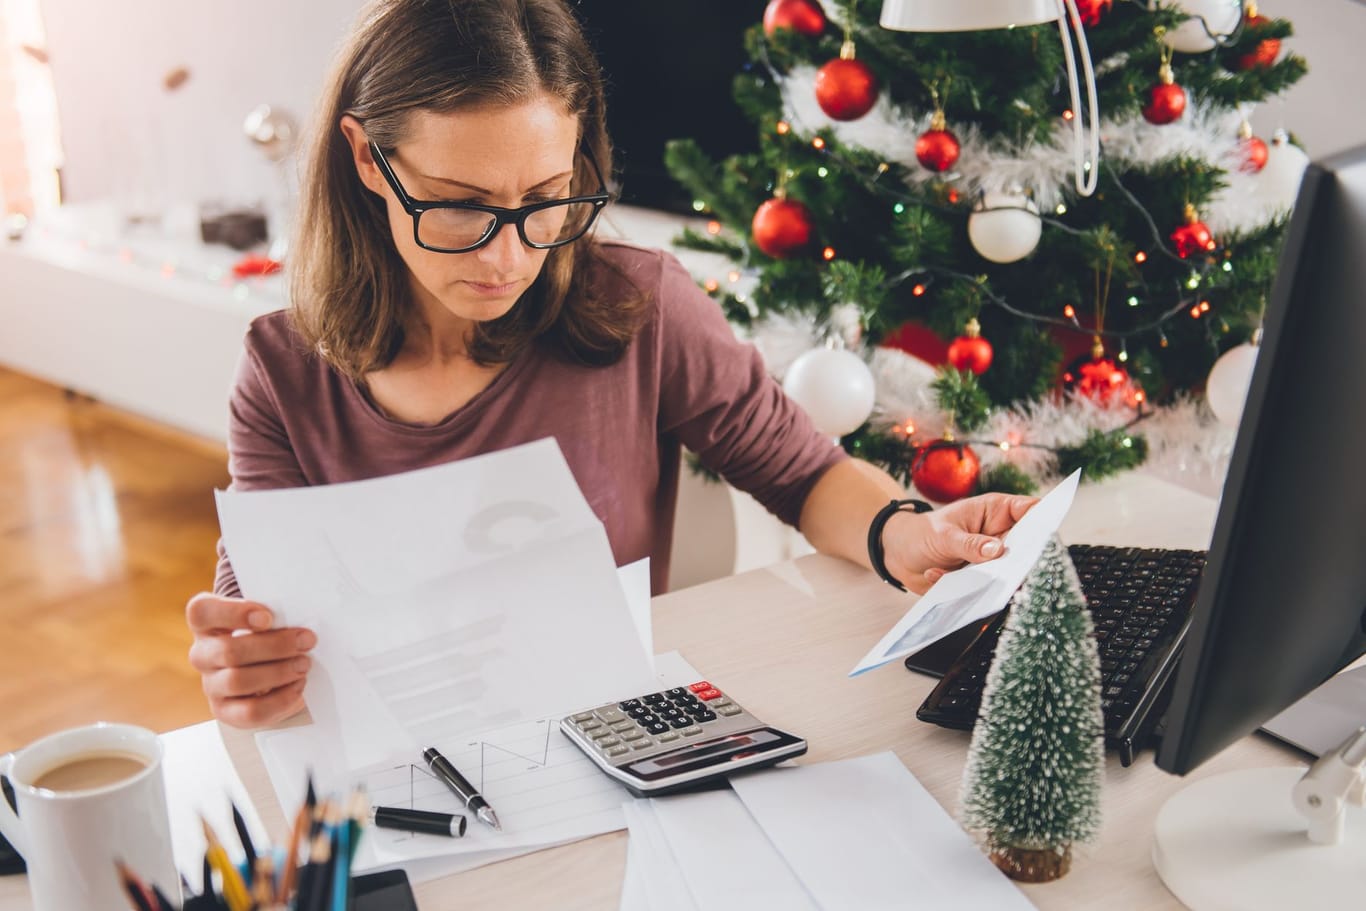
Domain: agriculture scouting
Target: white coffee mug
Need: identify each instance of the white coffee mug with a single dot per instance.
(71, 837)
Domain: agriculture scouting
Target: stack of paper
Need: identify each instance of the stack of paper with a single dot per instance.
(860, 834)
(465, 607)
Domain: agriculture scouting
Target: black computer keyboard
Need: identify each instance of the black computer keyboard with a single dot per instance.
(1140, 601)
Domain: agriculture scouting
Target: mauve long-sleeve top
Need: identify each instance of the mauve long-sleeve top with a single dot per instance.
(685, 380)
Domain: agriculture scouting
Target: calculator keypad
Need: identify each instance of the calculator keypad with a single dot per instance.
(655, 719)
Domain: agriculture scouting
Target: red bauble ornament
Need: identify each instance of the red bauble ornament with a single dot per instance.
(845, 88)
(801, 16)
(1102, 380)
(782, 227)
(1254, 154)
(970, 351)
(945, 471)
(1091, 10)
(1192, 237)
(937, 148)
(1166, 103)
(1266, 51)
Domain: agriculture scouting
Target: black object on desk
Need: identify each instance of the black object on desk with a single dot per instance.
(385, 891)
(10, 861)
(450, 825)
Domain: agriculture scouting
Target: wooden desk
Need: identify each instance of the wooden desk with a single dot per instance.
(782, 640)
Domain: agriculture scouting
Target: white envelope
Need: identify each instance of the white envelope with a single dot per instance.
(979, 589)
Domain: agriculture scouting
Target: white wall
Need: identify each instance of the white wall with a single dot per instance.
(1324, 109)
(124, 135)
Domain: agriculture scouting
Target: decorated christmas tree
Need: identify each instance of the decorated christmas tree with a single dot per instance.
(923, 199)
(1032, 783)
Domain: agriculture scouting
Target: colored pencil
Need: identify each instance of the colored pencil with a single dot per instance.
(137, 892)
(234, 889)
(301, 819)
(244, 836)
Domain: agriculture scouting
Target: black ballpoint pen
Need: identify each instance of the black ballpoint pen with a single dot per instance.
(442, 768)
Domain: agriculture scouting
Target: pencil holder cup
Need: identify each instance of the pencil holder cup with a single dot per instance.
(88, 797)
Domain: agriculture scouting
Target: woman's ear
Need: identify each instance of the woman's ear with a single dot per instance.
(366, 168)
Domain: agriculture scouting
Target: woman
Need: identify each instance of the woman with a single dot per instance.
(448, 300)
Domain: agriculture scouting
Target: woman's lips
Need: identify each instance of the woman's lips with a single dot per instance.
(491, 289)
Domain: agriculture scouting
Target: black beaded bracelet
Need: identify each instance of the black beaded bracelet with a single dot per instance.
(875, 554)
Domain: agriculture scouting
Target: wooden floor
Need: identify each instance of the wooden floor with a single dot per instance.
(107, 526)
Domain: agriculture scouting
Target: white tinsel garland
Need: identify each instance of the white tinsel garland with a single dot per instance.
(1186, 444)
(1204, 133)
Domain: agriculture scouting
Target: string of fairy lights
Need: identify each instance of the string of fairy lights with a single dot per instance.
(1195, 306)
(1186, 298)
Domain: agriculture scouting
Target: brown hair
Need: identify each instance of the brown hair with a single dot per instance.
(348, 283)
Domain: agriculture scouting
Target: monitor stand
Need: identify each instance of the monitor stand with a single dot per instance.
(1236, 841)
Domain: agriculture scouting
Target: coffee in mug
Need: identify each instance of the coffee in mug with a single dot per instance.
(94, 770)
(87, 798)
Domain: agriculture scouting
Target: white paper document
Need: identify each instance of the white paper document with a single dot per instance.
(864, 835)
(544, 789)
(452, 599)
(979, 589)
(724, 855)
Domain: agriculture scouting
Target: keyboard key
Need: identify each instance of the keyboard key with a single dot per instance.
(628, 705)
(699, 686)
(581, 716)
(728, 710)
(676, 692)
(618, 751)
(705, 716)
(681, 722)
(658, 727)
(707, 695)
(668, 737)
(610, 715)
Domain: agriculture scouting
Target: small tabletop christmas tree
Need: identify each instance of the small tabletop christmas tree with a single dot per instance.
(1034, 770)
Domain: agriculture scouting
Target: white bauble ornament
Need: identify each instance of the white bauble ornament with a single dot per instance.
(1279, 181)
(834, 387)
(1226, 388)
(1194, 36)
(1005, 227)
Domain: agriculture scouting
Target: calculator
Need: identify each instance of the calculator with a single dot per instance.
(679, 739)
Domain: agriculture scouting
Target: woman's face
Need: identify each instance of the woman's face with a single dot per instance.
(506, 156)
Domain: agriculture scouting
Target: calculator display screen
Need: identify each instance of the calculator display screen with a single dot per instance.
(705, 754)
(729, 743)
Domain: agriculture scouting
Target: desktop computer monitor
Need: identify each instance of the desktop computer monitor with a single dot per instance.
(1282, 601)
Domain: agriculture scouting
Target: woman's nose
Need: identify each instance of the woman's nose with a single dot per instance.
(505, 251)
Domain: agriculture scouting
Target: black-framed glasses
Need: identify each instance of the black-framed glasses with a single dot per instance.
(460, 227)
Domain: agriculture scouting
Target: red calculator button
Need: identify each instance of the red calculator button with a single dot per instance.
(709, 693)
(699, 686)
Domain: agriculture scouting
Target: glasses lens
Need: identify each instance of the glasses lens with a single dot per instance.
(453, 229)
(559, 224)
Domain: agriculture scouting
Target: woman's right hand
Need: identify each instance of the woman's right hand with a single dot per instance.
(251, 680)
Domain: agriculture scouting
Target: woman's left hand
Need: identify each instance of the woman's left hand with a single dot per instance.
(918, 548)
